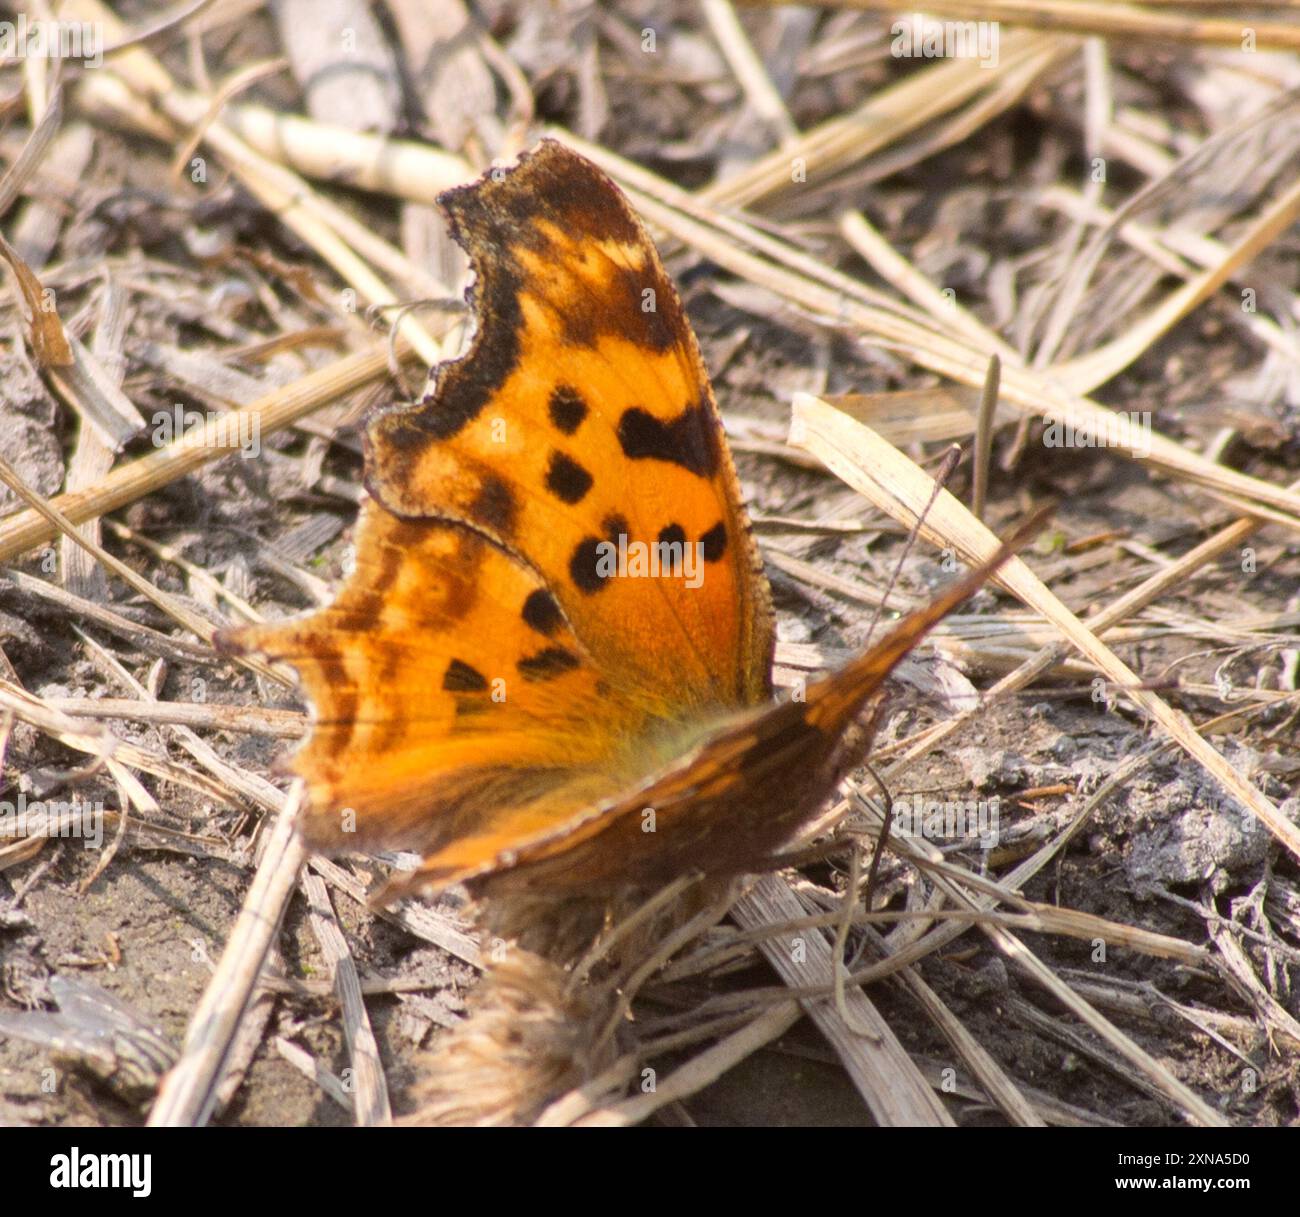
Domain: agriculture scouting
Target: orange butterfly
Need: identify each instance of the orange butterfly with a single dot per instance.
(551, 665)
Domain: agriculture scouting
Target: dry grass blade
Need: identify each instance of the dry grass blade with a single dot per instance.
(370, 1090)
(92, 392)
(1239, 969)
(258, 720)
(44, 329)
(403, 169)
(994, 1081)
(1150, 590)
(1100, 365)
(1159, 1075)
(183, 616)
(29, 160)
(117, 755)
(1107, 19)
(428, 924)
(310, 1067)
(1152, 1075)
(342, 243)
(1176, 250)
(701, 1070)
(216, 438)
(892, 1087)
(420, 173)
(887, 117)
(188, 1092)
(143, 637)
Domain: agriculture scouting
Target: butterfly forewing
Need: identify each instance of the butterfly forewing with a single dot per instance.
(580, 432)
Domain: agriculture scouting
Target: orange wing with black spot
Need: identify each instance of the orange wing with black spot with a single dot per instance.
(582, 421)
(730, 802)
(486, 691)
(494, 667)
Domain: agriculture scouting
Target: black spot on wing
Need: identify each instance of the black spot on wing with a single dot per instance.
(567, 409)
(547, 664)
(689, 440)
(542, 613)
(584, 565)
(715, 542)
(468, 707)
(495, 506)
(461, 678)
(674, 534)
(567, 480)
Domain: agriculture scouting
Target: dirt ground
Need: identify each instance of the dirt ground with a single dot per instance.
(206, 268)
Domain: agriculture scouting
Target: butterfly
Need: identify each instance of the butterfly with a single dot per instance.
(551, 666)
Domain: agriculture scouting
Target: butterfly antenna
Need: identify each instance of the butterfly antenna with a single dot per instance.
(886, 819)
(947, 466)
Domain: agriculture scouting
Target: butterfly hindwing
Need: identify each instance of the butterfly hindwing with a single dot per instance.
(728, 804)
